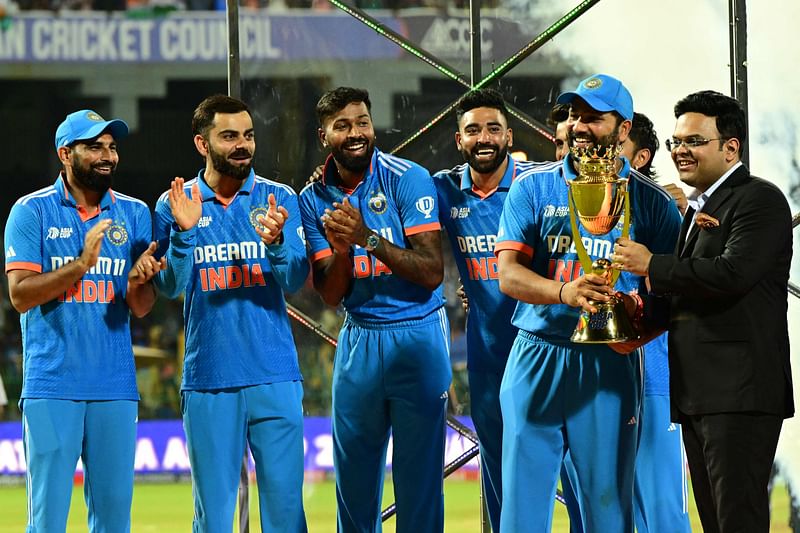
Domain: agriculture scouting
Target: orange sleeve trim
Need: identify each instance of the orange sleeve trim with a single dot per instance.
(513, 245)
(24, 266)
(322, 254)
(433, 226)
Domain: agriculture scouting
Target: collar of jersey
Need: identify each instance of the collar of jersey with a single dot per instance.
(61, 188)
(330, 174)
(570, 174)
(207, 193)
(505, 181)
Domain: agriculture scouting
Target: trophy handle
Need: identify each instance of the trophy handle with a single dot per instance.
(583, 255)
(626, 228)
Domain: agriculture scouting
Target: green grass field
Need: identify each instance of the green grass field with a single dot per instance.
(166, 508)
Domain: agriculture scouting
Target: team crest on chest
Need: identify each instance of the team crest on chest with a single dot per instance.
(377, 203)
(117, 234)
(255, 213)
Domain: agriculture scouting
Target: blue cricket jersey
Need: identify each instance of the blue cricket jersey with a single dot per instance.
(471, 220)
(237, 329)
(78, 346)
(535, 221)
(396, 198)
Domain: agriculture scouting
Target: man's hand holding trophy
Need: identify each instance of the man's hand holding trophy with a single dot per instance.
(598, 198)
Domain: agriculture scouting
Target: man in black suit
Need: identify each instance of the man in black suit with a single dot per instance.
(730, 380)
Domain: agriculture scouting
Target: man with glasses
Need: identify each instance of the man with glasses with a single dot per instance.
(660, 496)
(730, 377)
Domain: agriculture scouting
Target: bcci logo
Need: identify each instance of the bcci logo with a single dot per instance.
(593, 83)
(425, 205)
(117, 234)
(378, 203)
(255, 214)
(91, 115)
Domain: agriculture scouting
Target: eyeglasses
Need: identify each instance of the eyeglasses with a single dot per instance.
(674, 144)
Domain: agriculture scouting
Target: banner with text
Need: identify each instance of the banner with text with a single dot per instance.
(202, 37)
(161, 447)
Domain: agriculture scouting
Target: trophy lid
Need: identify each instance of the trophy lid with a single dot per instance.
(595, 166)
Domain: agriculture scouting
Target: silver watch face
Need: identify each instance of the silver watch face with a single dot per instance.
(373, 239)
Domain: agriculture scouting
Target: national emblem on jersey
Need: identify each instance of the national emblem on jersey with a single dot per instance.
(255, 213)
(377, 203)
(117, 234)
(425, 205)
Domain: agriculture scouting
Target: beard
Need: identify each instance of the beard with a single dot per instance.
(353, 163)
(222, 165)
(485, 166)
(90, 179)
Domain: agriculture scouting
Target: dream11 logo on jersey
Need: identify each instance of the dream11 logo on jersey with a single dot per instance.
(425, 205)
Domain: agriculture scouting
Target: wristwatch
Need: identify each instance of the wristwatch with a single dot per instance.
(373, 240)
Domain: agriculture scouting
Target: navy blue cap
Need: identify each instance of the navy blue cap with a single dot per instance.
(603, 93)
(86, 124)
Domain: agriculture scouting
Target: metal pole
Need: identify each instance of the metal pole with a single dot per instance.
(235, 91)
(234, 63)
(475, 41)
(506, 66)
(737, 17)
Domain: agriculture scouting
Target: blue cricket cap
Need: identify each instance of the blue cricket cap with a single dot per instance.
(86, 124)
(603, 93)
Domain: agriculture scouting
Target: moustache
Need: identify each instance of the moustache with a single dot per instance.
(241, 154)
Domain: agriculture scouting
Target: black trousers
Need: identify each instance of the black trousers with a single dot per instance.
(730, 459)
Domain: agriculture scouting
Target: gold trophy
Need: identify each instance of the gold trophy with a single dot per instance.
(598, 197)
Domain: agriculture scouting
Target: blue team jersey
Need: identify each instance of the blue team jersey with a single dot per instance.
(535, 221)
(237, 329)
(471, 220)
(396, 198)
(78, 346)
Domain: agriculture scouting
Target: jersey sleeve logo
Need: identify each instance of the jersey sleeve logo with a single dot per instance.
(117, 234)
(255, 213)
(58, 233)
(459, 212)
(425, 205)
(377, 203)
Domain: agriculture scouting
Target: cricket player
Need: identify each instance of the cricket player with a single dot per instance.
(79, 261)
(557, 395)
(240, 249)
(374, 241)
(471, 197)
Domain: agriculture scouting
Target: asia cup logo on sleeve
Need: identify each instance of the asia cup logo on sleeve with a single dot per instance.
(117, 234)
(425, 205)
(255, 214)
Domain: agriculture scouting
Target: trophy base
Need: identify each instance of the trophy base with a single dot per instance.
(609, 324)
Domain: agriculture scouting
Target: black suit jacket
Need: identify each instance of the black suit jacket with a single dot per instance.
(728, 331)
